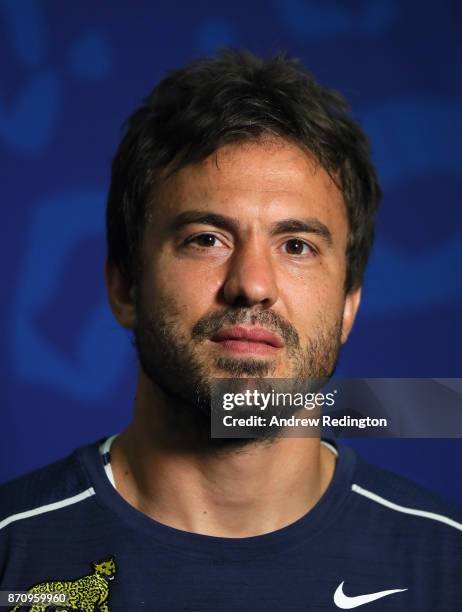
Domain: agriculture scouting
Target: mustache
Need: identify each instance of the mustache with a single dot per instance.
(209, 325)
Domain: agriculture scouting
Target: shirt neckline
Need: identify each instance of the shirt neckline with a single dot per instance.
(309, 526)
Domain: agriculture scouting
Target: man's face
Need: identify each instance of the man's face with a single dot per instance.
(243, 271)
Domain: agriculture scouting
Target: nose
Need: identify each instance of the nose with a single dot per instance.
(251, 277)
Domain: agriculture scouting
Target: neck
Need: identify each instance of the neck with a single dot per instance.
(237, 492)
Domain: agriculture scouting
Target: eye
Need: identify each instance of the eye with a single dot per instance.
(205, 240)
(296, 246)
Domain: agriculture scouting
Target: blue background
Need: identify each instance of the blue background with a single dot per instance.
(71, 72)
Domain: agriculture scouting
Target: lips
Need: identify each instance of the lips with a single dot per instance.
(251, 335)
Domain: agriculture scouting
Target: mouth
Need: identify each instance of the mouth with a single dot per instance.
(248, 340)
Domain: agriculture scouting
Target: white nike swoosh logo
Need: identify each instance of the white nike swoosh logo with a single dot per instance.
(348, 603)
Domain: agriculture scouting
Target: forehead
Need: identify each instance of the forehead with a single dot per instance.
(254, 180)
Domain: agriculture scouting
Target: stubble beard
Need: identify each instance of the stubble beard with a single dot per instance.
(171, 362)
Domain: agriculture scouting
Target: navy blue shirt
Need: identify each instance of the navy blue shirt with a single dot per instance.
(65, 527)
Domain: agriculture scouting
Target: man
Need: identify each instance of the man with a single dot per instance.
(239, 223)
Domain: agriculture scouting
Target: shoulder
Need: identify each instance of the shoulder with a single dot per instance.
(403, 504)
(51, 487)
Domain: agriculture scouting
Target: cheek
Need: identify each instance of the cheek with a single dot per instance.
(190, 288)
(310, 301)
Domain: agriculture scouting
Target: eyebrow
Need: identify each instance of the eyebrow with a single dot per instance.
(197, 216)
(309, 225)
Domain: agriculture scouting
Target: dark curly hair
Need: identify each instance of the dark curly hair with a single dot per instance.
(234, 97)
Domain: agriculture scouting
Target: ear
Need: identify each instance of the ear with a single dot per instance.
(121, 297)
(352, 301)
